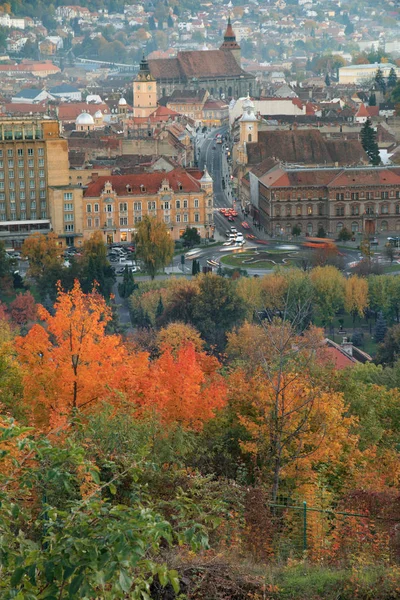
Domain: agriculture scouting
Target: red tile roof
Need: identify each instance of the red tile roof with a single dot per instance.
(365, 177)
(22, 108)
(151, 181)
(362, 111)
(68, 111)
(338, 359)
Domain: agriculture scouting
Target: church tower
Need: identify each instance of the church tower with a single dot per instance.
(248, 129)
(144, 91)
(231, 44)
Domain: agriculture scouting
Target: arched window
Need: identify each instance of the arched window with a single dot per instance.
(384, 209)
(249, 137)
(339, 227)
(397, 225)
(277, 211)
(309, 209)
(88, 208)
(370, 209)
(309, 228)
(288, 229)
(340, 210)
(355, 209)
(288, 211)
(298, 210)
(397, 209)
(354, 227)
(384, 226)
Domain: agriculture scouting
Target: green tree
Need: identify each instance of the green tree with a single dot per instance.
(389, 352)
(345, 235)
(74, 540)
(191, 237)
(160, 308)
(217, 308)
(369, 143)
(380, 80)
(94, 266)
(128, 285)
(372, 99)
(380, 329)
(296, 231)
(392, 79)
(154, 245)
(327, 80)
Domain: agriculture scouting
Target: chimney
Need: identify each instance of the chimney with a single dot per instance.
(347, 346)
(95, 176)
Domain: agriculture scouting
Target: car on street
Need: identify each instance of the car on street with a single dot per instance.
(245, 225)
(121, 270)
(250, 236)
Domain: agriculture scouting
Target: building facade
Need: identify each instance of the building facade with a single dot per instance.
(362, 199)
(179, 198)
(364, 73)
(33, 156)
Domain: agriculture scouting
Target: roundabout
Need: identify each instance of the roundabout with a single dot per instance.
(262, 259)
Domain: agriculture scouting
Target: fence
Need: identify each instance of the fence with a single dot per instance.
(332, 534)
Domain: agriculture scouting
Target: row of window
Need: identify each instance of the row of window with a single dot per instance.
(22, 205)
(32, 183)
(21, 164)
(343, 196)
(340, 211)
(137, 206)
(32, 195)
(123, 221)
(22, 216)
(20, 152)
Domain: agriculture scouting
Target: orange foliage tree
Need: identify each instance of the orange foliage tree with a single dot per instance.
(185, 387)
(69, 363)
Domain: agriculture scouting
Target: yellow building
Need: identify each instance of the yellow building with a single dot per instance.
(364, 73)
(180, 198)
(144, 91)
(33, 156)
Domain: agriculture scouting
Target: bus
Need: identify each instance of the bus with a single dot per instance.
(321, 243)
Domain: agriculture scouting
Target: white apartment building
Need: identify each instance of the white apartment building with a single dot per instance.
(362, 73)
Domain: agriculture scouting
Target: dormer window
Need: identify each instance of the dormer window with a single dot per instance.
(180, 186)
(142, 188)
(128, 189)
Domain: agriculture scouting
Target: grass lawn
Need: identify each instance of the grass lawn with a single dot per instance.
(369, 345)
(259, 259)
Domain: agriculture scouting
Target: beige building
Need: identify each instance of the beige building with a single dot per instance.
(33, 157)
(364, 73)
(115, 204)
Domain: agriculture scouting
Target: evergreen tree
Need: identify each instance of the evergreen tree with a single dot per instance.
(392, 79)
(160, 308)
(369, 143)
(327, 80)
(128, 285)
(152, 23)
(380, 328)
(321, 232)
(380, 81)
(372, 99)
(170, 22)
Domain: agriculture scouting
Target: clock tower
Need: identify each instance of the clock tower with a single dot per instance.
(248, 129)
(144, 91)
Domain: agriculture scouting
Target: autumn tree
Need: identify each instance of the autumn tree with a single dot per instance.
(154, 245)
(328, 284)
(175, 335)
(43, 252)
(94, 267)
(356, 296)
(290, 420)
(69, 363)
(23, 308)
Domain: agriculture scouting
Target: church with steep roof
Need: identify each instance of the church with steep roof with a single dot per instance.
(217, 71)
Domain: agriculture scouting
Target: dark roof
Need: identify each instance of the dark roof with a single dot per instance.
(63, 89)
(304, 147)
(197, 64)
(187, 95)
(30, 93)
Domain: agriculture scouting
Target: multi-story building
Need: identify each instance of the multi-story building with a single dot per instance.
(363, 73)
(33, 157)
(180, 198)
(362, 199)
